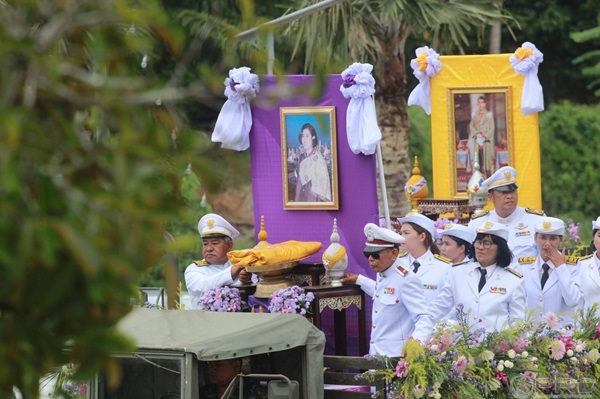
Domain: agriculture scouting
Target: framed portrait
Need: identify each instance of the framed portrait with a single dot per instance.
(309, 158)
(481, 131)
(476, 116)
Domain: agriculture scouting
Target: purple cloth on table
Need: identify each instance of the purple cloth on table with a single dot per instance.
(255, 303)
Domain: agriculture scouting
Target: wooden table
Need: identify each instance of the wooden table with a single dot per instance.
(339, 299)
(308, 274)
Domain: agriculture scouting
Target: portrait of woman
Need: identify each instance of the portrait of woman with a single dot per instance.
(312, 180)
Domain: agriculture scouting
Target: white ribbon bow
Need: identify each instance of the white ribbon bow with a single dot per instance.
(425, 66)
(235, 119)
(525, 61)
(361, 119)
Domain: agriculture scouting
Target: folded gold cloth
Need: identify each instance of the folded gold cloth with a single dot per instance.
(287, 251)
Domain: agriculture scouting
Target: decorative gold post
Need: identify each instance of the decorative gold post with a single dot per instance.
(416, 187)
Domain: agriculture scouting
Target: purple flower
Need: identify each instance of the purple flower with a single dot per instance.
(221, 299)
(349, 81)
(291, 300)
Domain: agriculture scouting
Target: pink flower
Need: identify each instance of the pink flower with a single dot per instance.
(598, 331)
(557, 349)
(567, 341)
(551, 320)
(520, 345)
(460, 365)
(501, 376)
(402, 369)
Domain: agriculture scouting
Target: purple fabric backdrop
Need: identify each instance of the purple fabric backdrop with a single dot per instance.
(356, 174)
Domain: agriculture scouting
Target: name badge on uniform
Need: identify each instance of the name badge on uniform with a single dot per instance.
(389, 290)
(430, 286)
(498, 290)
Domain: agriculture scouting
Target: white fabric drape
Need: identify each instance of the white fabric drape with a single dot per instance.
(525, 61)
(425, 66)
(361, 118)
(235, 119)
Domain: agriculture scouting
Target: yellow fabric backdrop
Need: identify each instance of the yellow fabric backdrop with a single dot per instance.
(483, 72)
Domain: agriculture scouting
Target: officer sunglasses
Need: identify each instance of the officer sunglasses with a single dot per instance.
(375, 255)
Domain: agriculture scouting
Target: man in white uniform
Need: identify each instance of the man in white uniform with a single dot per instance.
(551, 279)
(215, 270)
(398, 300)
(502, 192)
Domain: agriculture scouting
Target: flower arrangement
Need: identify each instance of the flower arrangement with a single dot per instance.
(291, 300)
(220, 299)
(440, 224)
(527, 360)
(64, 385)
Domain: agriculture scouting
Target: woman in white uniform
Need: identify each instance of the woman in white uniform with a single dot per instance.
(422, 254)
(492, 294)
(589, 267)
(457, 241)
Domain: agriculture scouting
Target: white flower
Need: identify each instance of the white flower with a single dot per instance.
(509, 364)
(524, 354)
(436, 386)
(570, 353)
(434, 347)
(437, 395)
(487, 355)
(443, 353)
(500, 367)
(419, 391)
(593, 355)
(574, 360)
(511, 354)
(578, 348)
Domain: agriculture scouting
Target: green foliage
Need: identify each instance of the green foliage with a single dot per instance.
(570, 144)
(419, 143)
(90, 174)
(589, 36)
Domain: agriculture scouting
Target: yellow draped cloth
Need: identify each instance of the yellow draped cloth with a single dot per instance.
(286, 251)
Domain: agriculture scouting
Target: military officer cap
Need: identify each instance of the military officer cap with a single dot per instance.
(459, 231)
(213, 225)
(419, 220)
(495, 229)
(548, 225)
(596, 224)
(380, 238)
(504, 180)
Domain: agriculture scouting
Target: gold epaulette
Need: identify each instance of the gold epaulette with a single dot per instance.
(538, 212)
(402, 254)
(479, 214)
(442, 258)
(572, 260)
(201, 262)
(527, 259)
(464, 262)
(513, 271)
(584, 257)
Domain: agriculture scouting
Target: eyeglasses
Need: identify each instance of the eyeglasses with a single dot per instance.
(375, 255)
(486, 244)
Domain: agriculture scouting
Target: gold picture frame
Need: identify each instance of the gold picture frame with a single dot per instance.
(489, 73)
(309, 157)
(480, 128)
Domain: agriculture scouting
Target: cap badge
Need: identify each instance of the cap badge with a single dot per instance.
(507, 175)
(410, 213)
(547, 225)
(488, 225)
(370, 234)
(447, 226)
(210, 223)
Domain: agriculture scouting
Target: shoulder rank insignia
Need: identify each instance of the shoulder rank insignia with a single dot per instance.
(479, 214)
(585, 257)
(572, 260)
(401, 270)
(513, 271)
(442, 258)
(201, 262)
(402, 254)
(461, 263)
(538, 212)
(527, 259)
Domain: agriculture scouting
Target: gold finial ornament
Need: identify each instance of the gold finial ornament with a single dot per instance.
(262, 235)
(416, 187)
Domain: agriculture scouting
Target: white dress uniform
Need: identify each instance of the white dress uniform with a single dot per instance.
(561, 294)
(432, 271)
(520, 228)
(398, 303)
(201, 276)
(500, 303)
(589, 267)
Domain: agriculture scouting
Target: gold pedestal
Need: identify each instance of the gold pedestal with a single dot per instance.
(272, 278)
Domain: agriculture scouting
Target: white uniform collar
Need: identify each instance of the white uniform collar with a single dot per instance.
(509, 218)
(423, 259)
